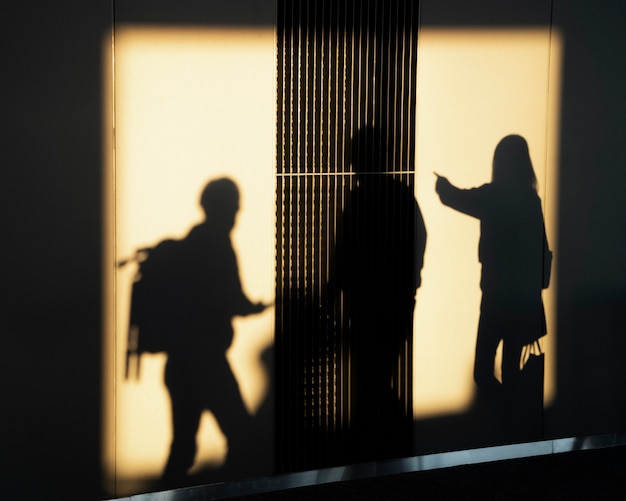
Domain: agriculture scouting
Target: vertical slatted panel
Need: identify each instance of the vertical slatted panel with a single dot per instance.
(342, 65)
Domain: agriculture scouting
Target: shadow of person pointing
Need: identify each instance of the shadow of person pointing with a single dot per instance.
(512, 251)
(378, 261)
(208, 295)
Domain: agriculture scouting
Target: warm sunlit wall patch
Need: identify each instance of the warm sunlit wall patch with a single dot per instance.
(189, 105)
(474, 88)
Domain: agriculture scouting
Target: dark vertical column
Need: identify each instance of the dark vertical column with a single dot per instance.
(342, 65)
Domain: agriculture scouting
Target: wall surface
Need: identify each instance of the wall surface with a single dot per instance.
(52, 193)
(52, 234)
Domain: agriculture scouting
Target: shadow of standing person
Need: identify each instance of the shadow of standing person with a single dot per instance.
(378, 260)
(512, 251)
(209, 294)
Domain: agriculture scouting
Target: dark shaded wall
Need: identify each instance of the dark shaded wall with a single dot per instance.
(592, 208)
(52, 235)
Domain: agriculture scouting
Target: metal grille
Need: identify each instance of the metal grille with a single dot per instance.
(346, 70)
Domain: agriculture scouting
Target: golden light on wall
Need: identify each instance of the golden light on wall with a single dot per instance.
(188, 105)
(185, 106)
(474, 88)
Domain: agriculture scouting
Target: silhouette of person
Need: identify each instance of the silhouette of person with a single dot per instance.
(197, 374)
(378, 261)
(511, 251)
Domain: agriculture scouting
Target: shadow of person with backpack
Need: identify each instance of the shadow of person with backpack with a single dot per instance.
(204, 294)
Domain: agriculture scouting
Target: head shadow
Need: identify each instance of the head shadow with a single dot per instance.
(512, 166)
(368, 151)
